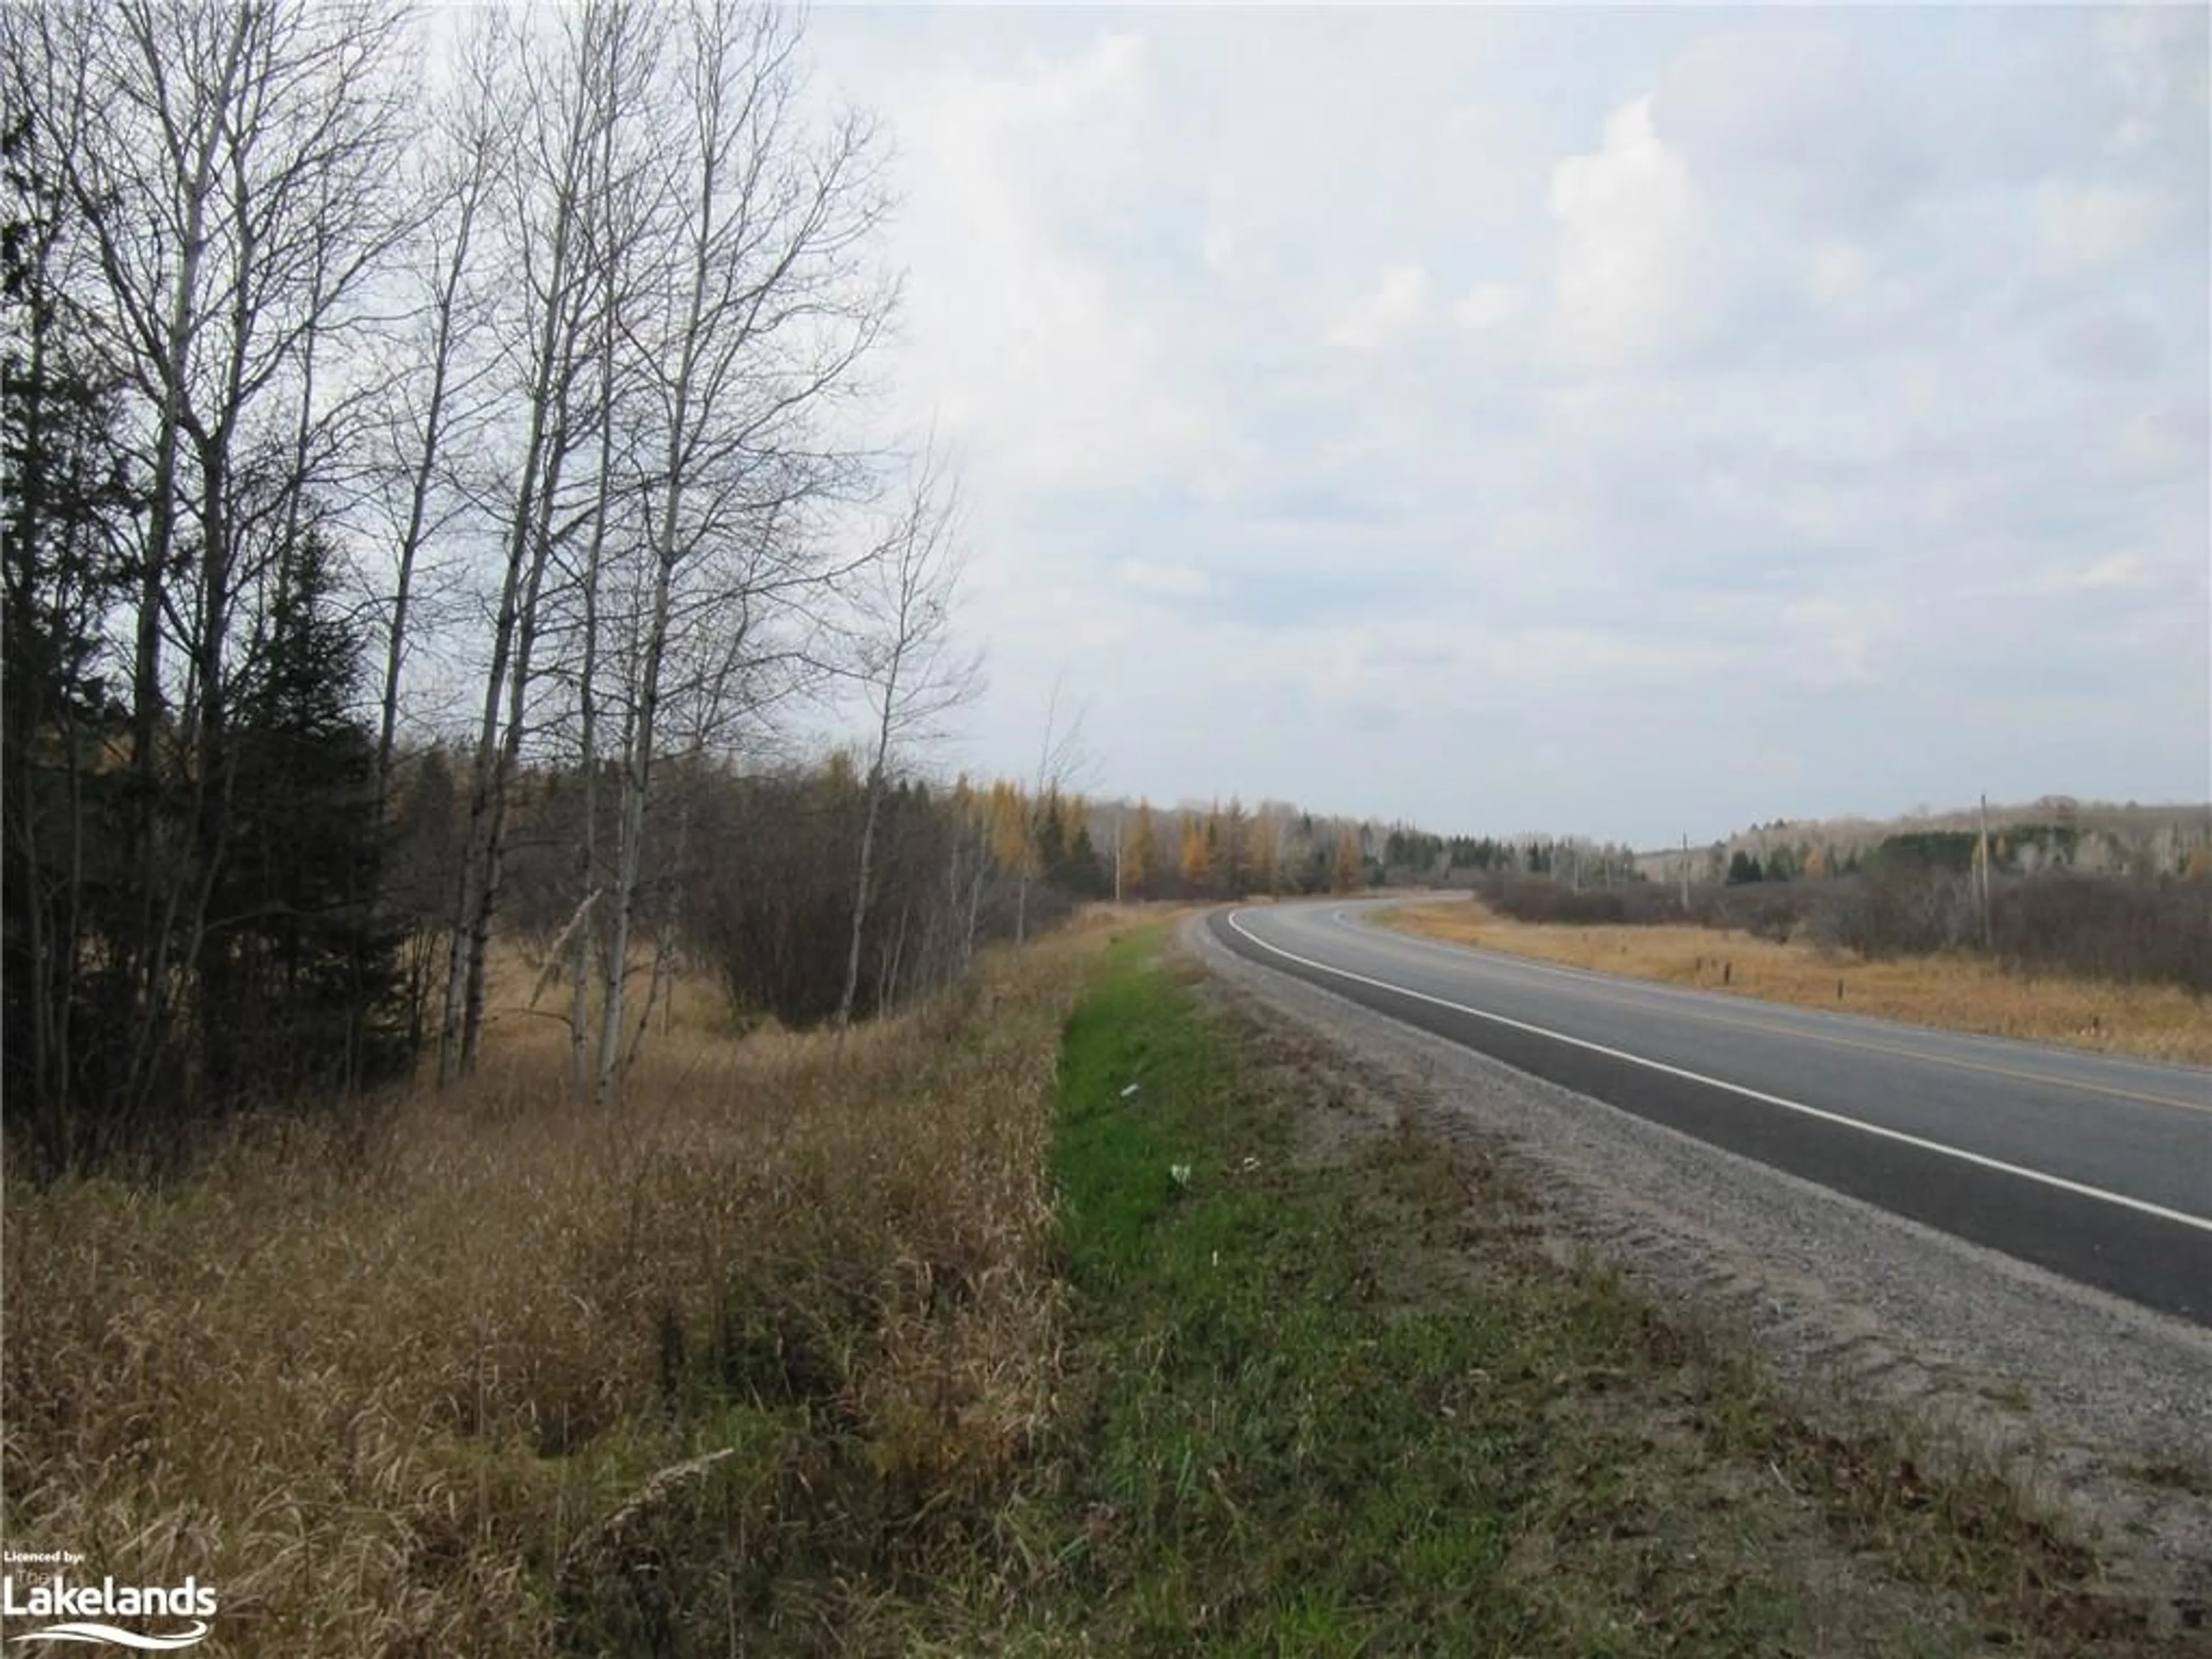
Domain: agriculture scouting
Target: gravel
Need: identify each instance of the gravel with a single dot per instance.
(2099, 1410)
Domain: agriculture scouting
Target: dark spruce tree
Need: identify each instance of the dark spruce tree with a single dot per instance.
(302, 990)
(1744, 869)
(65, 1003)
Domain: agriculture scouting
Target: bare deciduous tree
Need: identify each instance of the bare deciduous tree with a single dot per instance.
(767, 314)
(572, 80)
(541, 346)
(911, 676)
(462, 151)
(227, 168)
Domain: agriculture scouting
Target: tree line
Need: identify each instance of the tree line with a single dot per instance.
(1226, 850)
(2057, 833)
(496, 378)
(2142, 929)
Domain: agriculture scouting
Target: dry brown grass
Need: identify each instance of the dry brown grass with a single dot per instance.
(388, 1389)
(1956, 993)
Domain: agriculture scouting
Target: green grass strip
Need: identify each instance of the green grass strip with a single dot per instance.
(1299, 1443)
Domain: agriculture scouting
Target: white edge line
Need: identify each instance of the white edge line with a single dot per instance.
(2076, 1188)
(2157, 1073)
(1776, 1019)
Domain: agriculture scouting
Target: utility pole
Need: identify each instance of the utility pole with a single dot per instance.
(1988, 933)
(1686, 872)
(1120, 813)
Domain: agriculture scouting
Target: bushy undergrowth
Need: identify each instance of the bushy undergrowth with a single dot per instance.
(500, 1376)
(2149, 932)
(2129, 930)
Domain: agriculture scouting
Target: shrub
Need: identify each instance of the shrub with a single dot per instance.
(1541, 899)
(2131, 929)
(1771, 910)
(2127, 929)
(1897, 909)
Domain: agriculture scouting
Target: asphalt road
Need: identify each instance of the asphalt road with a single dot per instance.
(2096, 1169)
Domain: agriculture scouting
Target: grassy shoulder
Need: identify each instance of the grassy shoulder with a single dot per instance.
(1335, 1400)
(1063, 1317)
(2150, 1022)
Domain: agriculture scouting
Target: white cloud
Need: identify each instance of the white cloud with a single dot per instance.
(2107, 345)
(2153, 59)
(1793, 400)
(2098, 225)
(2157, 445)
(1386, 312)
(1837, 273)
(1786, 112)
(1035, 351)
(1627, 218)
(1175, 581)
(1833, 643)
(2121, 570)
(1490, 305)
(1219, 246)
(2118, 573)
(1547, 658)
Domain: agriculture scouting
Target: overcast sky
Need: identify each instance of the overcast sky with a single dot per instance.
(1626, 422)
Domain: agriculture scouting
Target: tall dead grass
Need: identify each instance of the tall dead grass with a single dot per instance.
(500, 1376)
(1956, 991)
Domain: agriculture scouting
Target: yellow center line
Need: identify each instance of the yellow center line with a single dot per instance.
(2197, 1106)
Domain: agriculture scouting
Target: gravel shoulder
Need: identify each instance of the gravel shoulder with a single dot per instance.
(2100, 1412)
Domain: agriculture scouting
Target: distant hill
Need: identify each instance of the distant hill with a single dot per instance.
(2091, 836)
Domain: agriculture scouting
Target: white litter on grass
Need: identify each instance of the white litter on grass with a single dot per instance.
(1180, 1174)
(1129, 1092)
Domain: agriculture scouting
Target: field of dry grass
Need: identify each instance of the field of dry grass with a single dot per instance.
(795, 1355)
(496, 1376)
(1957, 992)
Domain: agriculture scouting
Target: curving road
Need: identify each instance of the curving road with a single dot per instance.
(2096, 1169)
